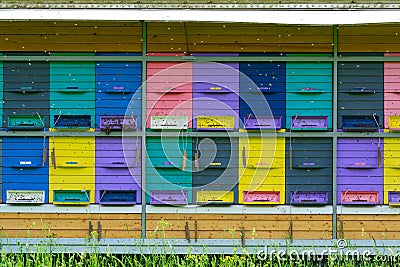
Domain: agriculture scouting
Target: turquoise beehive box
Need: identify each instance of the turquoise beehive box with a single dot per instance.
(309, 94)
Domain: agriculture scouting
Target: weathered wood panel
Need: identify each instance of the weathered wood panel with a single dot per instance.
(93, 36)
(369, 38)
(238, 37)
(69, 225)
(212, 226)
(369, 226)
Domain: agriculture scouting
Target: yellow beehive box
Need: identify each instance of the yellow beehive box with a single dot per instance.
(261, 170)
(215, 196)
(391, 171)
(71, 169)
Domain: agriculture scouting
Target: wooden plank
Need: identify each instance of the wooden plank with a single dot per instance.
(368, 30)
(361, 47)
(238, 37)
(250, 217)
(370, 217)
(312, 235)
(42, 233)
(72, 24)
(213, 226)
(372, 235)
(217, 235)
(199, 28)
(381, 39)
(60, 30)
(247, 39)
(227, 225)
(241, 48)
(76, 216)
(121, 234)
(72, 39)
(375, 226)
(132, 47)
(71, 36)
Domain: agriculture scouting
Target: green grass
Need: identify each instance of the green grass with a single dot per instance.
(39, 258)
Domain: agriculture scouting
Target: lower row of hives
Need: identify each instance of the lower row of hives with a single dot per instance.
(212, 170)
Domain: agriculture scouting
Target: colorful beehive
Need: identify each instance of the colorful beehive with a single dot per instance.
(72, 93)
(118, 170)
(262, 83)
(169, 170)
(392, 94)
(309, 171)
(215, 170)
(1, 172)
(261, 170)
(359, 172)
(308, 95)
(26, 93)
(1, 88)
(118, 93)
(169, 95)
(72, 170)
(25, 170)
(360, 96)
(391, 186)
(215, 95)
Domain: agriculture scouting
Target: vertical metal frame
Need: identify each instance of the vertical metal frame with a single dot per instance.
(143, 137)
(334, 129)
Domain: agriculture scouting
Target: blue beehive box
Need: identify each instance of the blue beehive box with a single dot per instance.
(118, 90)
(25, 174)
(262, 82)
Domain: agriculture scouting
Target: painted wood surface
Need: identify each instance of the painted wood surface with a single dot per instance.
(72, 166)
(216, 92)
(308, 93)
(118, 170)
(169, 175)
(360, 91)
(392, 93)
(359, 171)
(308, 170)
(262, 170)
(392, 167)
(118, 88)
(169, 89)
(72, 88)
(262, 83)
(26, 90)
(25, 165)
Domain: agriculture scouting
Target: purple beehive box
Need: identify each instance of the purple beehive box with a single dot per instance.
(215, 89)
(358, 170)
(263, 122)
(308, 197)
(116, 172)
